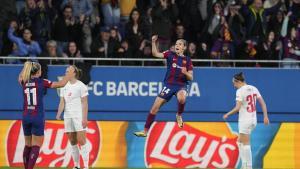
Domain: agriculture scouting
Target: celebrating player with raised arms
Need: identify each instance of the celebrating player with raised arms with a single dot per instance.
(74, 103)
(246, 96)
(33, 121)
(179, 74)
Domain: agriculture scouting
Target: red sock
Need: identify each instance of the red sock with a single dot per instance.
(180, 108)
(26, 152)
(149, 121)
(34, 154)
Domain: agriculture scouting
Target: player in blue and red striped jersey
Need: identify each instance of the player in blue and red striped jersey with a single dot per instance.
(33, 121)
(176, 82)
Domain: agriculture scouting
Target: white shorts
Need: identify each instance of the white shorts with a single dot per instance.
(246, 127)
(73, 125)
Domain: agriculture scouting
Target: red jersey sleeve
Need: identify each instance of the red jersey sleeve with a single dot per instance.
(189, 65)
(47, 83)
(166, 54)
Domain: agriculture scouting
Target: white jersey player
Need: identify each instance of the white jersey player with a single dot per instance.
(74, 103)
(246, 97)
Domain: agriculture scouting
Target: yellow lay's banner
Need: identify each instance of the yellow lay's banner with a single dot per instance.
(284, 152)
(106, 140)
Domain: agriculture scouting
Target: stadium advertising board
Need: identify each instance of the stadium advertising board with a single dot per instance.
(134, 89)
(198, 145)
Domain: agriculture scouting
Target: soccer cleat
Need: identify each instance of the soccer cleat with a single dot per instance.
(76, 168)
(179, 120)
(140, 134)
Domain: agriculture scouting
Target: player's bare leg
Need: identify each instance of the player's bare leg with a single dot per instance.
(81, 137)
(245, 151)
(181, 98)
(36, 143)
(151, 116)
(27, 150)
(72, 136)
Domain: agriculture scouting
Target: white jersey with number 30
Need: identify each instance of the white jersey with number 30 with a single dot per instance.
(247, 95)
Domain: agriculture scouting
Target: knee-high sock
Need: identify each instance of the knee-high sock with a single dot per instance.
(241, 152)
(85, 155)
(34, 154)
(26, 152)
(149, 121)
(247, 156)
(75, 155)
(180, 108)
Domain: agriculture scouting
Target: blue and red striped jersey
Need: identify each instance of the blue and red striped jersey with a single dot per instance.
(174, 76)
(33, 92)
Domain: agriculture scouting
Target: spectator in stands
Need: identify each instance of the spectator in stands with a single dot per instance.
(73, 52)
(111, 12)
(223, 47)
(26, 46)
(192, 50)
(20, 4)
(7, 14)
(41, 24)
(65, 29)
(136, 30)
(190, 17)
(269, 50)
(235, 23)
(115, 36)
(125, 50)
(81, 8)
(179, 33)
(103, 47)
(51, 51)
(82, 11)
(126, 7)
(213, 26)
(164, 14)
(290, 43)
(14, 53)
(256, 23)
(275, 23)
(27, 14)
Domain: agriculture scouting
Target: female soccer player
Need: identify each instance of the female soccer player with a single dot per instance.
(179, 73)
(246, 96)
(33, 121)
(74, 103)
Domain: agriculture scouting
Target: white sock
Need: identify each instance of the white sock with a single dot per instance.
(241, 152)
(248, 156)
(75, 155)
(85, 155)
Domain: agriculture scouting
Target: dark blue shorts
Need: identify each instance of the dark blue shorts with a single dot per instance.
(33, 126)
(169, 90)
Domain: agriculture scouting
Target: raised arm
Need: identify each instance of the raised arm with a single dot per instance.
(285, 24)
(12, 37)
(61, 108)
(155, 51)
(62, 82)
(264, 109)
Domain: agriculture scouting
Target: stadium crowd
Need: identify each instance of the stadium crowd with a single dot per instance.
(215, 29)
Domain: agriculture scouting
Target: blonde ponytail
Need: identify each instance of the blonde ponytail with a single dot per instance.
(26, 72)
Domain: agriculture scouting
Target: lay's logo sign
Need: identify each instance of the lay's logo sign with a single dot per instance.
(191, 147)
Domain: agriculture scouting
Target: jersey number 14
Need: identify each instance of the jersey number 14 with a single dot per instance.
(31, 96)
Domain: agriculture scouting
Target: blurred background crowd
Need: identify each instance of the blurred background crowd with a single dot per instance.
(215, 29)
